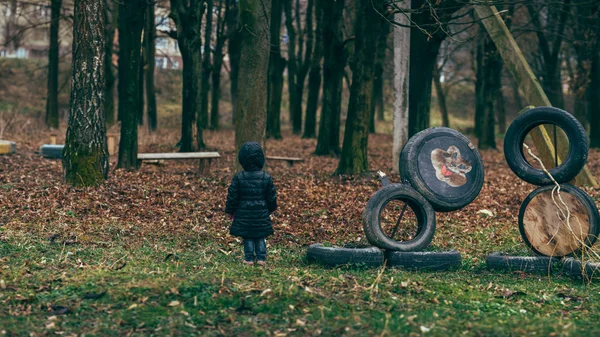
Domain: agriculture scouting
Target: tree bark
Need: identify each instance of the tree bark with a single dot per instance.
(593, 96)
(110, 23)
(85, 159)
(276, 67)
(234, 50)
(140, 113)
(314, 77)
(202, 120)
(218, 63)
(149, 39)
(334, 61)
(491, 69)
(251, 111)
(369, 25)
(292, 64)
(441, 96)
(378, 105)
(304, 63)
(401, 85)
(52, 96)
(131, 23)
(187, 15)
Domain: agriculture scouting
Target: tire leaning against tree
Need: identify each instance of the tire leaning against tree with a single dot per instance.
(530, 119)
(422, 209)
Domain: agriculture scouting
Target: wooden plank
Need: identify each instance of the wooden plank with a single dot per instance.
(531, 88)
(284, 158)
(173, 156)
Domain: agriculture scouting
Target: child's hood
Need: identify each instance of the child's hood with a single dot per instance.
(251, 156)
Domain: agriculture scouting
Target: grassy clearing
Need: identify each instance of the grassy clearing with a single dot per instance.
(165, 290)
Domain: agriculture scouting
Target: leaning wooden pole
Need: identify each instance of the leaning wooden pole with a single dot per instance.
(529, 85)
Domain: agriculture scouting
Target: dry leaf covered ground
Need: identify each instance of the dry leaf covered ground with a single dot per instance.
(149, 252)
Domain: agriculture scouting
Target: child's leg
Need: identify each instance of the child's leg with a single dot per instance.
(261, 249)
(249, 249)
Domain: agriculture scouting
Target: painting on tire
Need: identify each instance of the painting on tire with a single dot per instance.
(450, 167)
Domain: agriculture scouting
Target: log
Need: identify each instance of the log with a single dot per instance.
(534, 94)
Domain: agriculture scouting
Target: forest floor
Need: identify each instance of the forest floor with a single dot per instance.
(148, 253)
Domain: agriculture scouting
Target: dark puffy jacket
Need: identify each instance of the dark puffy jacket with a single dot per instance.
(251, 197)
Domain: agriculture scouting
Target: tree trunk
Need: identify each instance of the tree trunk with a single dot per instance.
(202, 120)
(275, 81)
(334, 63)
(52, 96)
(131, 23)
(441, 96)
(594, 87)
(491, 68)
(501, 108)
(218, 63)
(369, 25)
(187, 15)
(234, 50)
(314, 77)
(85, 159)
(149, 38)
(479, 87)
(305, 64)
(423, 58)
(379, 102)
(110, 23)
(140, 114)
(401, 82)
(292, 64)
(254, 64)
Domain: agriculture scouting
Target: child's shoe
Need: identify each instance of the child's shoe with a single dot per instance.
(249, 263)
(261, 263)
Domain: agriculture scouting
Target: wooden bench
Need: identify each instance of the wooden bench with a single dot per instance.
(289, 160)
(205, 158)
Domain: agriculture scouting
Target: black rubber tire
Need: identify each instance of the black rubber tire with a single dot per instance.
(443, 197)
(432, 261)
(422, 209)
(574, 268)
(51, 151)
(585, 199)
(336, 256)
(543, 265)
(524, 123)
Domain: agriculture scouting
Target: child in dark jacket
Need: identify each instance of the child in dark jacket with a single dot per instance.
(251, 198)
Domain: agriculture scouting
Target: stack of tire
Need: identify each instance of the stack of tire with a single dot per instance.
(544, 226)
(441, 171)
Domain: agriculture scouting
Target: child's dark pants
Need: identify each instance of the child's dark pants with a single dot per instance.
(255, 245)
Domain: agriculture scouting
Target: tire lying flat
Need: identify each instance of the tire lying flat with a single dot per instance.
(422, 209)
(575, 268)
(546, 232)
(431, 261)
(524, 123)
(443, 166)
(337, 256)
(543, 265)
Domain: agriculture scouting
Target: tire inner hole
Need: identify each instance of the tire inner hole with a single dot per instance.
(398, 221)
(554, 134)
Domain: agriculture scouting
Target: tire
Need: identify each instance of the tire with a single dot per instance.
(538, 215)
(51, 151)
(422, 209)
(529, 264)
(7, 147)
(520, 127)
(336, 256)
(433, 261)
(575, 268)
(443, 166)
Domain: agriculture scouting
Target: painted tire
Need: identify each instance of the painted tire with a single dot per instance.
(422, 209)
(524, 123)
(545, 232)
(51, 151)
(7, 147)
(443, 166)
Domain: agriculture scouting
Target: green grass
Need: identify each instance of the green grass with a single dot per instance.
(207, 291)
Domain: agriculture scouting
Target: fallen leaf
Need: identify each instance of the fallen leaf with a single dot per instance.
(174, 303)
